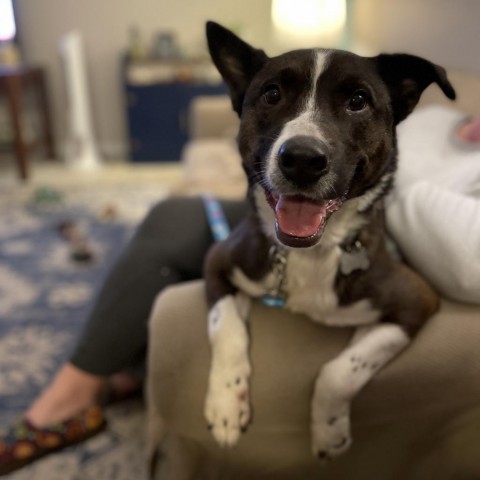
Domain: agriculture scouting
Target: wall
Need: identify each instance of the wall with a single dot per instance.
(105, 25)
(445, 31)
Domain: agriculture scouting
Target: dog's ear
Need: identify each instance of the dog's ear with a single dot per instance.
(406, 77)
(235, 59)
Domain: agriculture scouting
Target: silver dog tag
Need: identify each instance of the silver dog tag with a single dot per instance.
(354, 258)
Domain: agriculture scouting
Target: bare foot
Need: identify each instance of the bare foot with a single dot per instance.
(469, 131)
(71, 392)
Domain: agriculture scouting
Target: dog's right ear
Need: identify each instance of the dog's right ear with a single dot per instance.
(235, 59)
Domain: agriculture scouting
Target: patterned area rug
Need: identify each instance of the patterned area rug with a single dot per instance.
(45, 296)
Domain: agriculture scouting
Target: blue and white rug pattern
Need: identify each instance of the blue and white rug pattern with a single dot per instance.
(45, 298)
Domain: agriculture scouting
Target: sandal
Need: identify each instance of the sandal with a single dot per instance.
(25, 443)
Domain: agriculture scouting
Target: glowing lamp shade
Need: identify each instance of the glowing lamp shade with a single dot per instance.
(7, 20)
(309, 17)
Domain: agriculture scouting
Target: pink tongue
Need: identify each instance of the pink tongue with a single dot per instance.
(299, 217)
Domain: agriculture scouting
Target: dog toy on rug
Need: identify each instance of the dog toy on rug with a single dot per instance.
(80, 249)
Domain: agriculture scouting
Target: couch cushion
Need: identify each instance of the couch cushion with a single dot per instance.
(417, 419)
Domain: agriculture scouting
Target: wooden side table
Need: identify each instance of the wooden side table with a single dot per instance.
(14, 84)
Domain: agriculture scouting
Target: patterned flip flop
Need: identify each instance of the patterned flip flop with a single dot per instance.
(24, 443)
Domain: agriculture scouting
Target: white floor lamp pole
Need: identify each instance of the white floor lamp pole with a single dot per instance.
(81, 149)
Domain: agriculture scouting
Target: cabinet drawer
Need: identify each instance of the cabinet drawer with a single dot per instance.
(157, 118)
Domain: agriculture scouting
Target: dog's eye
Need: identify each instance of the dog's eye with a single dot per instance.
(271, 95)
(358, 101)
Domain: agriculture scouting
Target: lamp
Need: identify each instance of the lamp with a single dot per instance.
(301, 22)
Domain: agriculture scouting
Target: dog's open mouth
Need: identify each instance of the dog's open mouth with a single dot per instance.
(300, 221)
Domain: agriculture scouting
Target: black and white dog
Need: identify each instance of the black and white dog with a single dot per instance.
(317, 139)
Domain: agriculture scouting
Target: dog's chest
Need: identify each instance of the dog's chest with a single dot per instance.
(308, 282)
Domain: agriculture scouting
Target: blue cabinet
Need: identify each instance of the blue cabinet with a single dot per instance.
(158, 118)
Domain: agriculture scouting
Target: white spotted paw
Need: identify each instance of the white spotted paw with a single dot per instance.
(330, 427)
(227, 406)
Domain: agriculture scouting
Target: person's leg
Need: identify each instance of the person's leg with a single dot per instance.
(169, 247)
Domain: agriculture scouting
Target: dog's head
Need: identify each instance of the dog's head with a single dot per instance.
(317, 126)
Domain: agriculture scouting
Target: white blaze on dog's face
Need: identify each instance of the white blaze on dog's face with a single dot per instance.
(299, 159)
(317, 126)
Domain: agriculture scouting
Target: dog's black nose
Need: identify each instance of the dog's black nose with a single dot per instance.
(303, 160)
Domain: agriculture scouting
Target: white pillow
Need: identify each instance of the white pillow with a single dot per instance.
(433, 212)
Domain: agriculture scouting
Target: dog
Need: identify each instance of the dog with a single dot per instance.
(318, 146)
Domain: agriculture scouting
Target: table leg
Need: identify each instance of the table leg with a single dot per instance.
(45, 113)
(14, 95)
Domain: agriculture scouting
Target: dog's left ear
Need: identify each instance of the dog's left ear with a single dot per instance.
(406, 77)
(235, 59)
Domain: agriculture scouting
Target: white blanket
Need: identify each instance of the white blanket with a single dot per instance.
(433, 212)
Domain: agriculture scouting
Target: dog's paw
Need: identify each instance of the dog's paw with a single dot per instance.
(330, 426)
(331, 435)
(227, 406)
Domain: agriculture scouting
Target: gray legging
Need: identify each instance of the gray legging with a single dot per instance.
(169, 247)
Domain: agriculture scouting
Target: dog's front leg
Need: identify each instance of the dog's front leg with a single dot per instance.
(342, 378)
(227, 406)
